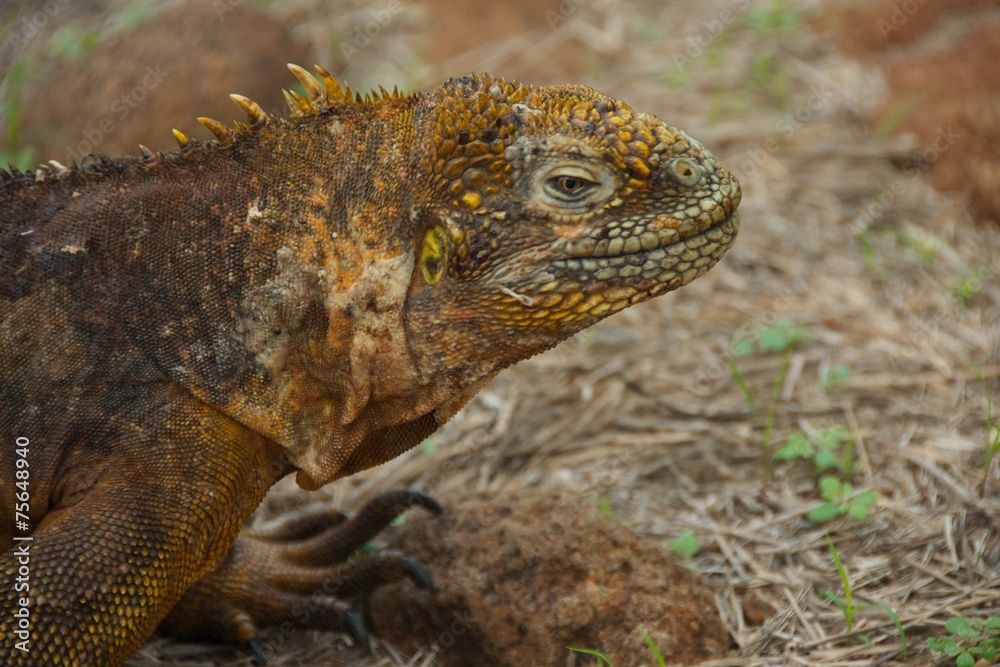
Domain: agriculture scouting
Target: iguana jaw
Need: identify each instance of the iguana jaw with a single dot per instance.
(576, 291)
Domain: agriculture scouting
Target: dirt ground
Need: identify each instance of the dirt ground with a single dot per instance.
(859, 309)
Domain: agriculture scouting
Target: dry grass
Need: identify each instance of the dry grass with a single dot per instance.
(643, 412)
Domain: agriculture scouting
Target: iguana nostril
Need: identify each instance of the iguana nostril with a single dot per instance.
(685, 171)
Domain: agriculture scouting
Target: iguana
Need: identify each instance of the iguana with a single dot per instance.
(310, 295)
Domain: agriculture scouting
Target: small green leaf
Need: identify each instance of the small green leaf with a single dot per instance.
(654, 649)
(832, 438)
(965, 660)
(962, 627)
(834, 376)
(990, 650)
(858, 511)
(887, 610)
(602, 660)
(866, 498)
(781, 337)
(823, 513)
(945, 645)
(831, 488)
(834, 598)
(993, 623)
(742, 348)
(796, 446)
(825, 459)
(686, 545)
(604, 506)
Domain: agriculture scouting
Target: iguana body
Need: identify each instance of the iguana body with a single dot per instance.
(314, 295)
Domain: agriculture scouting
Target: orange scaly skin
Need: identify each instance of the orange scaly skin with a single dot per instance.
(313, 295)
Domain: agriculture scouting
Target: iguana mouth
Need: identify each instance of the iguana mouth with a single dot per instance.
(594, 286)
(655, 256)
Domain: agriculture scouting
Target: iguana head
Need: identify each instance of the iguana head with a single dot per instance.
(444, 236)
(550, 209)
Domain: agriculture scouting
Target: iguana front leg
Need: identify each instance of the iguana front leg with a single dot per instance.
(137, 511)
(292, 573)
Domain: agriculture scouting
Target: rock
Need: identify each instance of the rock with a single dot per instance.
(521, 576)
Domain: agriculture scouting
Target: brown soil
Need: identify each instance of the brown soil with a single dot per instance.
(138, 84)
(940, 59)
(872, 27)
(526, 40)
(522, 575)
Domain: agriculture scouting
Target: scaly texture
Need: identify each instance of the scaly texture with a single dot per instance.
(313, 295)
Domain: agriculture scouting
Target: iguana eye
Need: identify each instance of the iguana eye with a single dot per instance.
(569, 187)
(574, 186)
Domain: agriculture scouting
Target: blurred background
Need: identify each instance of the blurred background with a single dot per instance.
(76, 72)
(836, 375)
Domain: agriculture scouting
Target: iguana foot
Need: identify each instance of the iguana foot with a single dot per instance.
(294, 573)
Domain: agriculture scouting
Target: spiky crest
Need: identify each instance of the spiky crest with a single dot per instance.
(222, 133)
(149, 157)
(183, 140)
(257, 116)
(323, 95)
(316, 92)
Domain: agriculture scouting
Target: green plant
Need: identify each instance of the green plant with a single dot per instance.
(646, 31)
(834, 376)
(70, 42)
(779, 16)
(686, 545)
(839, 498)
(604, 507)
(770, 76)
(768, 73)
(970, 640)
(602, 660)
(22, 157)
(847, 605)
(782, 336)
(925, 245)
(605, 661)
(824, 449)
(654, 649)
(992, 425)
(871, 258)
(767, 426)
(969, 284)
(830, 449)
